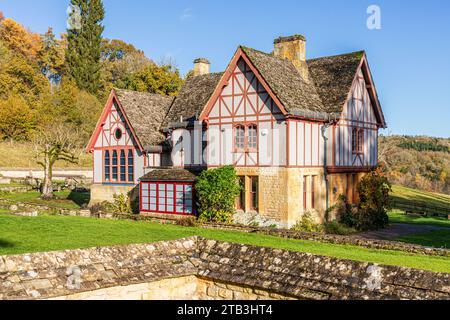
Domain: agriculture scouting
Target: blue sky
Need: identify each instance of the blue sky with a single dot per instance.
(409, 56)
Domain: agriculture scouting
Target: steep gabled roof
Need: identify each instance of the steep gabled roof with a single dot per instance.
(333, 78)
(146, 112)
(285, 81)
(193, 97)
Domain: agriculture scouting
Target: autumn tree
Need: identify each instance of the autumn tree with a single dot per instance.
(16, 119)
(84, 44)
(163, 80)
(19, 40)
(54, 142)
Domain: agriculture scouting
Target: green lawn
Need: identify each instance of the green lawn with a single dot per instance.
(67, 199)
(49, 233)
(396, 216)
(437, 239)
(405, 195)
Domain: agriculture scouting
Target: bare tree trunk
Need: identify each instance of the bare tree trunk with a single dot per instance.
(47, 186)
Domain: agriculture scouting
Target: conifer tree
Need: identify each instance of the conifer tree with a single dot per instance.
(84, 37)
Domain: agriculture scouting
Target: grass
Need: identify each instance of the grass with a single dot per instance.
(396, 216)
(67, 199)
(48, 233)
(423, 198)
(20, 155)
(437, 239)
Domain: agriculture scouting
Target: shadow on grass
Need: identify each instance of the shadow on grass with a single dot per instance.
(80, 198)
(6, 244)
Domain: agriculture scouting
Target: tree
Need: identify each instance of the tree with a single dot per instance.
(55, 142)
(19, 40)
(163, 80)
(84, 44)
(51, 57)
(16, 119)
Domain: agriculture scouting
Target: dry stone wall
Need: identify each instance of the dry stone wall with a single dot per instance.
(197, 268)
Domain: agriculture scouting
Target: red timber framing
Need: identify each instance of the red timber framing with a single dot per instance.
(107, 134)
(249, 103)
(167, 197)
(118, 165)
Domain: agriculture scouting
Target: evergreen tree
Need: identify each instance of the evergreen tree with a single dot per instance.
(51, 57)
(84, 43)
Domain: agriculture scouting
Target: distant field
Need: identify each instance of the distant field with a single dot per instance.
(20, 155)
(403, 196)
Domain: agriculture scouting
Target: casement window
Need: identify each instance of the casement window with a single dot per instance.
(246, 138)
(240, 203)
(252, 137)
(254, 199)
(357, 140)
(248, 199)
(167, 197)
(239, 140)
(118, 166)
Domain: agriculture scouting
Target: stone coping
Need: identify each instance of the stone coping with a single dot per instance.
(294, 274)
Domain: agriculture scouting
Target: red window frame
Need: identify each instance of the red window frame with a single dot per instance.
(165, 190)
(245, 147)
(119, 162)
(313, 183)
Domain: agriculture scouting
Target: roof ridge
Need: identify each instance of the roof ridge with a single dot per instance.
(354, 53)
(144, 92)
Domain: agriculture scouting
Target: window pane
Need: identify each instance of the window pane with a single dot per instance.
(145, 206)
(252, 137)
(162, 187)
(188, 210)
(179, 209)
(145, 186)
(122, 158)
(170, 208)
(170, 187)
(170, 201)
(180, 188)
(152, 206)
(130, 157)
(114, 160)
(239, 137)
(153, 186)
(162, 208)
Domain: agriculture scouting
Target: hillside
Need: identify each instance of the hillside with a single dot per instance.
(417, 162)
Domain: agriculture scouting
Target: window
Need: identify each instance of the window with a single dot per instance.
(305, 193)
(246, 138)
(107, 166)
(252, 137)
(254, 193)
(313, 186)
(241, 197)
(168, 198)
(119, 166)
(357, 140)
(239, 141)
(118, 134)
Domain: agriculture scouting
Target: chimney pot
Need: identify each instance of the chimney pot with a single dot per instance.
(201, 66)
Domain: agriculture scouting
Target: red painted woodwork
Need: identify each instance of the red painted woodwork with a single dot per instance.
(164, 197)
(108, 170)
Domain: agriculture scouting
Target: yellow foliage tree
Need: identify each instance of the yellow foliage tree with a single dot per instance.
(20, 40)
(17, 120)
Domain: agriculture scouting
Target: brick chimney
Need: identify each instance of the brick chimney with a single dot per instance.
(293, 48)
(201, 66)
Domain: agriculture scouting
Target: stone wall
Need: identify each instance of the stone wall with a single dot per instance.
(101, 193)
(197, 268)
(20, 173)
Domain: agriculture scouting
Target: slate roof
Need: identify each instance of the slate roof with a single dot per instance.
(193, 97)
(285, 81)
(175, 175)
(146, 112)
(333, 78)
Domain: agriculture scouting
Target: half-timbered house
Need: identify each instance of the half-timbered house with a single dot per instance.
(299, 133)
